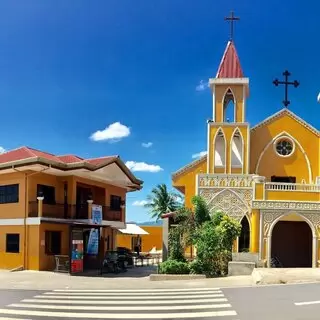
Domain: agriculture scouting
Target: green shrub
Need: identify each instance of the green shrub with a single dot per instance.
(196, 267)
(174, 267)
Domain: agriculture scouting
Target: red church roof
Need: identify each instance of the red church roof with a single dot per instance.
(230, 66)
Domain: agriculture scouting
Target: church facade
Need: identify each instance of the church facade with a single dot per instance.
(266, 176)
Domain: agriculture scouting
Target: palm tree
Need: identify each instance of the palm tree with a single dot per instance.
(162, 201)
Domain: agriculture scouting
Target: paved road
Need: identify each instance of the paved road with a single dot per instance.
(287, 302)
(201, 303)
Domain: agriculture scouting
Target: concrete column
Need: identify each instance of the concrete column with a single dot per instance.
(314, 251)
(40, 206)
(269, 251)
(261, 248)
(255, 232)
(90, 202)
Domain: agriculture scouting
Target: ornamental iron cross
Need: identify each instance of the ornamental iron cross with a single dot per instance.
(286, 83)
(232, 18)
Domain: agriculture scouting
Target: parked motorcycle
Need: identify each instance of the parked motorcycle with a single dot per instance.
(111, 263)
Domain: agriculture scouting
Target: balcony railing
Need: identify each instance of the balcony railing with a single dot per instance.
(68, 211)
(57, 210)
(225, 181)
(111, 215)
(280, 186)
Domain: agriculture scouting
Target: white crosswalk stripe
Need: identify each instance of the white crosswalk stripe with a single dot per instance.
(199, 303)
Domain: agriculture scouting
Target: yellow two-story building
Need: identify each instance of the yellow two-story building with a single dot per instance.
(266, 176)
(45, 198)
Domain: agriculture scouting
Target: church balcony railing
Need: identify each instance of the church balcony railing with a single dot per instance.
(225, 180)
(281, 186)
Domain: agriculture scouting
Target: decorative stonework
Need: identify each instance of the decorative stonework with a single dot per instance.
(225, 181)
(286, 205)
(234, 202)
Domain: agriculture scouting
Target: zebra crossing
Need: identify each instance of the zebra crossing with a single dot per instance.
(195, 303)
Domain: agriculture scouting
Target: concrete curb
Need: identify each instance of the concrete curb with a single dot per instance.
(164, 277)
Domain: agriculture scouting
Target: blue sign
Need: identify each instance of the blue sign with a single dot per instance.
(93, 242)
(96, 214)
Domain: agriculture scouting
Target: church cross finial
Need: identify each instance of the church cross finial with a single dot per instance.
(232, 18)
(286, 83)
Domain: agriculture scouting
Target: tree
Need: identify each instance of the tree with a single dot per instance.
(162, 201)
(214, 244)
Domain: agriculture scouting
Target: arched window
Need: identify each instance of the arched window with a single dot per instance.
(220, 149)
(236, 149)
(244, 239)
(229, 107)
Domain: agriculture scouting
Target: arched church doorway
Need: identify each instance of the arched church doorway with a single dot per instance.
(244, 239)
(291, 244)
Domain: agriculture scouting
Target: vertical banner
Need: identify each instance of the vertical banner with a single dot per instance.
(93, 242)
(77, 251)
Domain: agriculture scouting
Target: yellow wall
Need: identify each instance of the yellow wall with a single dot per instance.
(13, 210)
(188, 181)
(11, 260)
(295, 165)
(148, 241)
(47, 261)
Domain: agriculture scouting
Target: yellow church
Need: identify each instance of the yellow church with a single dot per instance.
(266, 176)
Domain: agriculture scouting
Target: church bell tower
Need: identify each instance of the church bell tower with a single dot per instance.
(228, 131)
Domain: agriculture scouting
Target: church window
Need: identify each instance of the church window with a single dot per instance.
(236, 149)
(220, 150)
(284, 147)
(229, 107)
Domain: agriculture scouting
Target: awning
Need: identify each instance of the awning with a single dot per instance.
(132, 228)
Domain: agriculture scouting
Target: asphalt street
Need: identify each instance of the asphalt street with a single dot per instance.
(284, 302)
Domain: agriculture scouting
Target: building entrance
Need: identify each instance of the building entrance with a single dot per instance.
(291, 244)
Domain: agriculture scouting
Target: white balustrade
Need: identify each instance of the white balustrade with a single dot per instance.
(281, 186)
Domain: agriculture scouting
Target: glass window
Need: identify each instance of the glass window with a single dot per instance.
(9, 193)
(115, 202)
(13, 243)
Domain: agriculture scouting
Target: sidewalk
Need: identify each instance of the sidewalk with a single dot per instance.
(35, 280)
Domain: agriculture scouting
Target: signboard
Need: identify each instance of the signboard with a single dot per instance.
(96, 214)
(77, 251)
(93, 242)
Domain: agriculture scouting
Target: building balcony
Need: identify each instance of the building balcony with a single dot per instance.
(68, 211)
(261, 190)
(291, 191)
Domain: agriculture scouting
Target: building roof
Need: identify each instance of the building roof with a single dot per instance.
(230, 66)
(132, 228)
(188, 166)
(26, 156)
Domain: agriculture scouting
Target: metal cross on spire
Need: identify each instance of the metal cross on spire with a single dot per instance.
(286, 83)
(232, 18)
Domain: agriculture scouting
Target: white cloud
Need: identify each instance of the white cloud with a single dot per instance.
(2, 150)
(147, 144)
(140, 203)
(199, 154)
(142, 166)
(203, 85)
(114, 132)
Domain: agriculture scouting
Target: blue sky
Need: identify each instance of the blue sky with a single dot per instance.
(70, 68)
